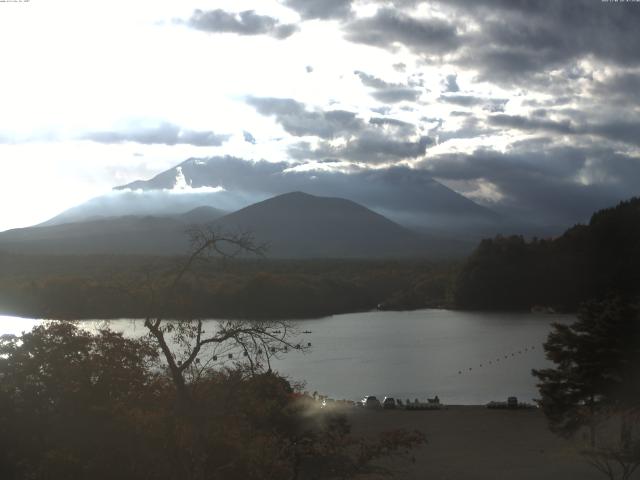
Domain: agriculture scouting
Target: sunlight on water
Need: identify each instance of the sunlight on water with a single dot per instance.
(16, 325)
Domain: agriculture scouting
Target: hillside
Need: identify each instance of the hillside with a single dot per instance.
(587, 261)
(143, 235)
(294, 225)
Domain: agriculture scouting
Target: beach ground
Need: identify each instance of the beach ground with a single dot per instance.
(474, 443)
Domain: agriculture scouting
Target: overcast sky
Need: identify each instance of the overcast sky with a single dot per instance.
(528, 107)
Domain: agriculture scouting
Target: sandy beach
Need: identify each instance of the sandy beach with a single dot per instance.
(474, 443)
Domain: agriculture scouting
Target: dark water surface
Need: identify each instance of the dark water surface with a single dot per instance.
(460, 356)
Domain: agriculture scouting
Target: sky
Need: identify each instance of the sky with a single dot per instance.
(531, 108)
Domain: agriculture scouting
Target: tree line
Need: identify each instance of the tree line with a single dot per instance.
(118, 286)
(587, 262)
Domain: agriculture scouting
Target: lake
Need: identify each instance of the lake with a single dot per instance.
(463, 357)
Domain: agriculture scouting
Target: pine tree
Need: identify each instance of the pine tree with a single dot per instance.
(597, 367)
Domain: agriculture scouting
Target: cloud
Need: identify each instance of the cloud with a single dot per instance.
(617, 129)
(451, 84)
(390, 27)
(524, 123)
(512, 43)
(370, 146)
(491, 104)
(163, 134)
(403, 127)
(343, 135)
(621, 88)
(388, 92)
(544, 183)
(248, 137)
(247, 22)
(323, 9)
(298, 121)
(521, 40)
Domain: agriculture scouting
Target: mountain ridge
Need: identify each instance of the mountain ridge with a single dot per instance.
(296, 225)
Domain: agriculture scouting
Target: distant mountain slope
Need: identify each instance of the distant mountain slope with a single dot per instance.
(111, 235)
(406, 196)
(294, 225)
(125, 203)
(301, 225)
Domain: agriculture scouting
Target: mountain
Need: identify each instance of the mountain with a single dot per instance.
(130, 234)
(140, 204)
(301, 225)
(294, 225)
(410, 197)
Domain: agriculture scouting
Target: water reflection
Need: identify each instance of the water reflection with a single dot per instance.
(463, 357)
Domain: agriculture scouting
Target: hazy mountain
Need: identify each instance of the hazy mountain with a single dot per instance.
(294, 225)
(302, 225)
(408, 197)
(158, 203)
(153, 235)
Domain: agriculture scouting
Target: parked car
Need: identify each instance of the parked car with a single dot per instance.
(370, 402)
(389, 402)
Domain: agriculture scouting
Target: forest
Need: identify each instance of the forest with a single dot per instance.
(587, 262)
(76, 287)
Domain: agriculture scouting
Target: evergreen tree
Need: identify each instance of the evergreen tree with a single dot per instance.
(597, 360)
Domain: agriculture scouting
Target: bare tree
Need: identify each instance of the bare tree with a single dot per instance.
(188, 349)
(621, 460)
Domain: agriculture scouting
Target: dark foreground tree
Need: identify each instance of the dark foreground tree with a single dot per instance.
(188, 349)
(76, 405)
(595, 382)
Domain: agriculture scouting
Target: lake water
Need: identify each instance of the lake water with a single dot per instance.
(463, 357)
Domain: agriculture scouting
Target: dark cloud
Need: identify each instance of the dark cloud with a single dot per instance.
(298, 121)
(491, 104)
(247, 22)
(545, 183)
(371, 146)
(379, 141)
(520, 39)
(618, 129)
(626, 130)
(517, 42)
(525, 123)
(399, 67)
(389, 27)
(163, 134)
(388, 92)
(622, 88)
(324, 9)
